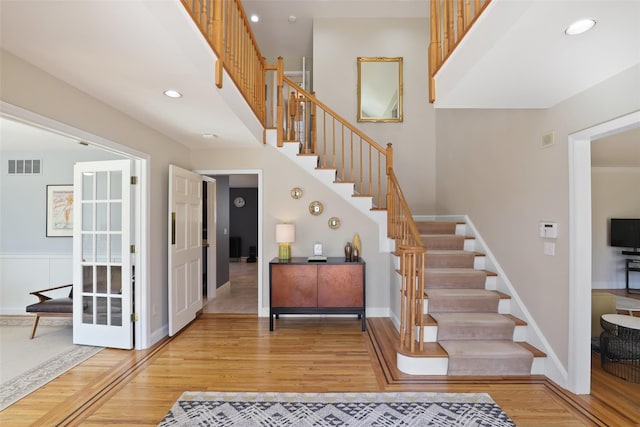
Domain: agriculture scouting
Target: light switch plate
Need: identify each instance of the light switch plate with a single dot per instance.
(549, 248)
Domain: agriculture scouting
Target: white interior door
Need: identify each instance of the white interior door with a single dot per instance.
(102, 263)
(185, 247)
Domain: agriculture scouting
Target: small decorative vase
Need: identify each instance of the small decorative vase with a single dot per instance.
(355, 254)
(348, 254)
(356, 243)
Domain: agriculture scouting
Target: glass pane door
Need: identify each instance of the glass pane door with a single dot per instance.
(102, 266)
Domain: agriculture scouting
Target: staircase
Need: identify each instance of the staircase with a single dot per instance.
(463, 322)
(468, 329)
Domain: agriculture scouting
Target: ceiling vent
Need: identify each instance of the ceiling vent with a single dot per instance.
(24, 167)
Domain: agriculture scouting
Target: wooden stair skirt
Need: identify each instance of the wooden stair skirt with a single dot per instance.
(469, 330)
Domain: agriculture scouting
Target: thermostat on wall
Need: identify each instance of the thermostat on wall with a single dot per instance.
(549, 230)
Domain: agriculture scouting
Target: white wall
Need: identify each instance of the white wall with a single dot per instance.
(280, 175)
(29, 260)
(337, 43)
(22, 212)
(615, 193)
(32, 89)
(491, 167)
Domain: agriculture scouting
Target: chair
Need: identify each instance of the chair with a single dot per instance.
(50, 307)
(601, 303)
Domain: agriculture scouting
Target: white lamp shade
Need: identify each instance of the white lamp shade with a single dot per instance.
(285, 233)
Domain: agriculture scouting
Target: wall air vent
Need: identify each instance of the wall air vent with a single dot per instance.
(24, 167)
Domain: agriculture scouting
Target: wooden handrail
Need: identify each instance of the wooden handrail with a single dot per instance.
(401, 226)
(450, 22)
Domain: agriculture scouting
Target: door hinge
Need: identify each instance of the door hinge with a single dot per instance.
(134, 180)
(132, 249)
(134, 317)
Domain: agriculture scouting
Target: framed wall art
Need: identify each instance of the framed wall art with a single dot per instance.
(59, 210)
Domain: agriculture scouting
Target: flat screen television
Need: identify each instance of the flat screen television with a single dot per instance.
(625, 233)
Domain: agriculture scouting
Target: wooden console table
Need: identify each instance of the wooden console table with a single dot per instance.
(301, 287)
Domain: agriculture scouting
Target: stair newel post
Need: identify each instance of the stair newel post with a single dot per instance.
(280, 101)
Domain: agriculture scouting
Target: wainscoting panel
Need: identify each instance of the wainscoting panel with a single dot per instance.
(24, 273)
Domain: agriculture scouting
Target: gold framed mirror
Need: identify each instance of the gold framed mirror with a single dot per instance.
(379, 89)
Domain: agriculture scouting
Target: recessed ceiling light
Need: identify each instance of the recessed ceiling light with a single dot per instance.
(209, 135)
(172, 93)
(255, 18)
(579, 27)
(292, 18)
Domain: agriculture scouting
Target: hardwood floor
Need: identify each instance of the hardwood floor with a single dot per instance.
(238, 353)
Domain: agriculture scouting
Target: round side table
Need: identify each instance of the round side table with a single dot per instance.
(620, 346)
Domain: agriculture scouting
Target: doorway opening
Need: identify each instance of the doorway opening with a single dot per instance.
(141, 259)
(238, 283)
(580, 263)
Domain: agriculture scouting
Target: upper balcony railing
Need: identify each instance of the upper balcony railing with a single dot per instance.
(225, 26)
(450, 21)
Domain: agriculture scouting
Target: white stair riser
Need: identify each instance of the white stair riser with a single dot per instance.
(492, 283)
(478, 263)
(469, 245)
(538, 366)
(423, 366)
(439, 365)
(431, 333)
(504, 306)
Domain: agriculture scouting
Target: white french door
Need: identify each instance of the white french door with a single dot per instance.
(102, 263)
(185, 247)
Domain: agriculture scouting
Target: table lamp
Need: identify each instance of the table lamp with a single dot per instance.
(285, 235)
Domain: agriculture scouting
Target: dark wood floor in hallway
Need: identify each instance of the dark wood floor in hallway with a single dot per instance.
(238, 353)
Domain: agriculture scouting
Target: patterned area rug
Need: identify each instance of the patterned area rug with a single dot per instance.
(335, 409)
(28, 364)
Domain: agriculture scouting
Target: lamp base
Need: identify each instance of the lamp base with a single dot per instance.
(284, 252)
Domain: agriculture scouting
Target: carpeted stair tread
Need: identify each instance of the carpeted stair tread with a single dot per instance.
(474, 326)
(487, 358)
(436, 227)
(462, 301)
(446, 258)
(463, 278)
(443, 241)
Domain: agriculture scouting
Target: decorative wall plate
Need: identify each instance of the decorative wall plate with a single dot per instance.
(296, 193)
(334, 222)
(315, 208)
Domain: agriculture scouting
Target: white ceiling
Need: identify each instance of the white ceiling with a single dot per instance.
(126, 53)
(517, 55)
